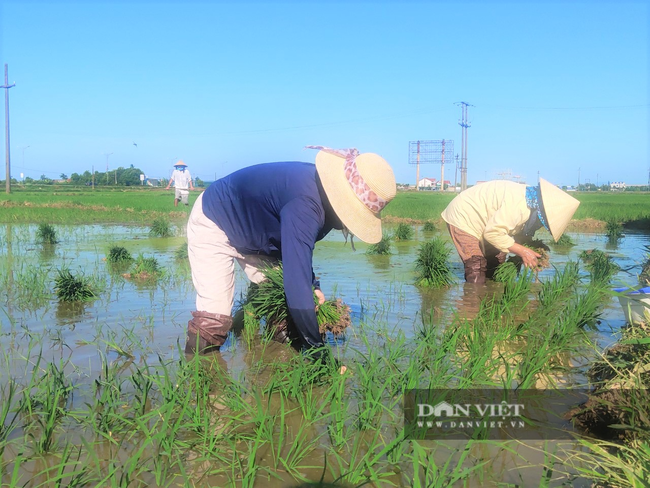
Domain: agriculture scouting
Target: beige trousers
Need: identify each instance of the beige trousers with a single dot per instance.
(212, 260)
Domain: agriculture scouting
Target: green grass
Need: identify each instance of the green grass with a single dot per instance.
(70, 205)
(65, 204)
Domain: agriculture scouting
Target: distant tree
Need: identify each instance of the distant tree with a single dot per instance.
(63, 176)
(199, 182)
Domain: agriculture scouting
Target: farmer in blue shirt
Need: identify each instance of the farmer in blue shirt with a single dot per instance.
(279, 211)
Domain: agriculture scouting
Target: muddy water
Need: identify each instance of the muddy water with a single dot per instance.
(378, 288)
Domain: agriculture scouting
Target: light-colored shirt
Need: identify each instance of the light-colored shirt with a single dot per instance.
(181, 179)
(493, 211)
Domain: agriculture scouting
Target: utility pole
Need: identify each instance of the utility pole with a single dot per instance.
(456, 174)
(463, 146)
(442, 168)
(417, 170)
(107, 155)
(6, 87)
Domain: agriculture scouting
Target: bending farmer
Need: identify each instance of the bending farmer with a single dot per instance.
(182, 180)
(279, 211)
(482, 221)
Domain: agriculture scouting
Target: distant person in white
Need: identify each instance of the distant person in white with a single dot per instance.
(182, 180)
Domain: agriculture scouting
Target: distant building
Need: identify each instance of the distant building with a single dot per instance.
(427, 183)
(617, 185)
(154, 182)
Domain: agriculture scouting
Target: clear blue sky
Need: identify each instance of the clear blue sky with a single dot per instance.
(556, 87)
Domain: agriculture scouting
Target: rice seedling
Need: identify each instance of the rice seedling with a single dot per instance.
(160, 227)
(145, 268)
(181, 252)
(543, 262)
(600, 264)
(564, 241)
(429, 226)
(614, 230)
(403, 232)
(432, 264)
(382, 247)
(644, 276)
(118, 254)
(267, 302)
(46, 234)
(70, 288)
(505, 272)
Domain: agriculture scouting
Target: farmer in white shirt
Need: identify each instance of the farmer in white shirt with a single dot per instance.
(182, 180)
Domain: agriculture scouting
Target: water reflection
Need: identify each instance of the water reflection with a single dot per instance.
(70, 313)
(379, 261)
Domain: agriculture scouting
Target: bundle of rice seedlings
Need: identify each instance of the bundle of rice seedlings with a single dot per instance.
(118, 254)
(181, 252)
(267, 302)
(70, 288)
(144, 268)
(432, 264)
(403, 232)
(429, 226)
(160, 227)
(614, 229)
(564, 241)
(540, 248)
(46, 234)
(382, 247)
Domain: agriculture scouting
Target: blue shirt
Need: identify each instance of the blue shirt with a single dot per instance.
(280, 210)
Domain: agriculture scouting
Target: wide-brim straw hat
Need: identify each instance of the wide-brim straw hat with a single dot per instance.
(375, 172)
(180, 163)
(559, 207)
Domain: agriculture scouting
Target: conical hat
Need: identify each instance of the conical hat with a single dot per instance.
(180, 163)
(559, 207)
(354, 192)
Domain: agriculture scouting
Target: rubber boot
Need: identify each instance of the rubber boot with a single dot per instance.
(475, 269)
(207, 332)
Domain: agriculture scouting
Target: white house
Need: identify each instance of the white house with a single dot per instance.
(617, 185)
(427, 183)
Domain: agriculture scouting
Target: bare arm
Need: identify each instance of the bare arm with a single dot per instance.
(527, 255)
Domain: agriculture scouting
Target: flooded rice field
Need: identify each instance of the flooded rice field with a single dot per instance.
(134, 326)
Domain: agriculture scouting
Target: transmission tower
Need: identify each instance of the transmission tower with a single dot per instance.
(464, 123)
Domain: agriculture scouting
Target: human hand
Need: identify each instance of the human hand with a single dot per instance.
(529, 257)
(343, 369)
(321, 297)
